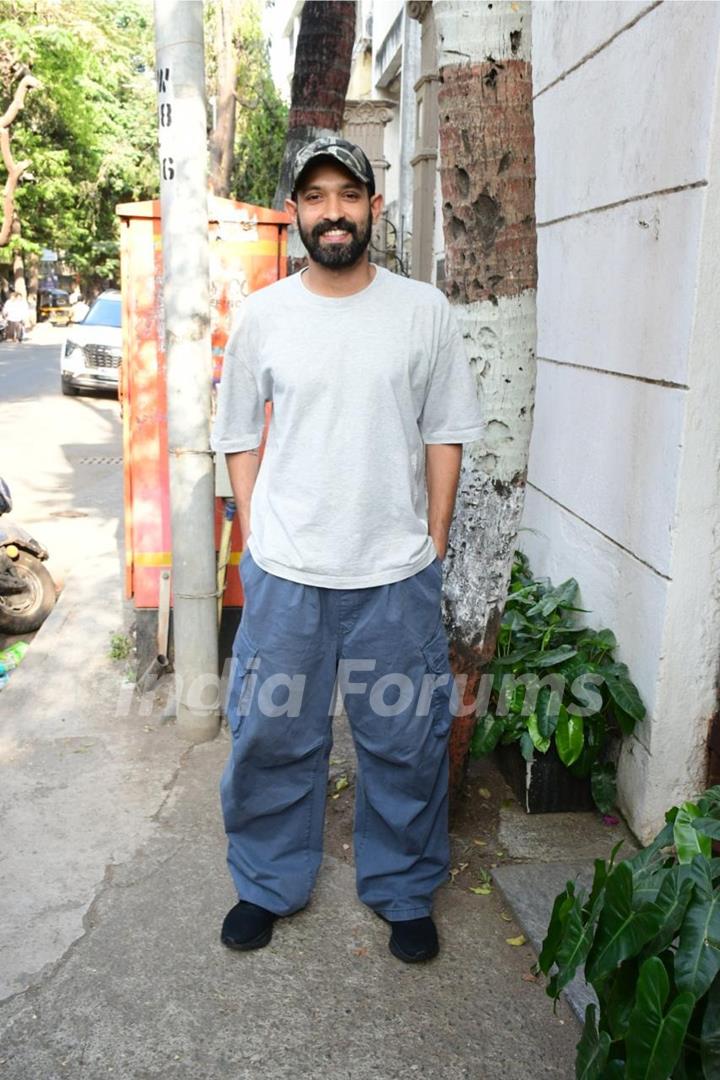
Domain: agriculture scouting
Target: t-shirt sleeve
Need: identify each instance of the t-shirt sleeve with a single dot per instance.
(240, 414)
(451, 412)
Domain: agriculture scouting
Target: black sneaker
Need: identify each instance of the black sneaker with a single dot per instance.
(247, 926)
(413, 940)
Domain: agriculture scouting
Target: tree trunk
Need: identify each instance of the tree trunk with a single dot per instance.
(222, 140)
(487, 167)
(18, 262)
(33, 281)
(322, 72)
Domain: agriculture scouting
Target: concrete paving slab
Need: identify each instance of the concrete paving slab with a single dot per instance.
(149, 991)
(560, 837)
(530, 890)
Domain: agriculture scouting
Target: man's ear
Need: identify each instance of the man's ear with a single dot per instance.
(291, 209)
(376, 206)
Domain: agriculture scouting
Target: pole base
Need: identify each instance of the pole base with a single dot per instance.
(196, 727)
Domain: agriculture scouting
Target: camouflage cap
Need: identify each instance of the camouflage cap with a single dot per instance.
(344, 152)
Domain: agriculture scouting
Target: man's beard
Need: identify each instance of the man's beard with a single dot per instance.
(336, 256)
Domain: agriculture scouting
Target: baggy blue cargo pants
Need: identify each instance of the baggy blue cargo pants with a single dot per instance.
(383, 650)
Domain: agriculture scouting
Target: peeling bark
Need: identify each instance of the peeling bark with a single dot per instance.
(487, 170)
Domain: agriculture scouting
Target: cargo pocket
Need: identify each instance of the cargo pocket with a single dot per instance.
(438, 663)
(243, 676)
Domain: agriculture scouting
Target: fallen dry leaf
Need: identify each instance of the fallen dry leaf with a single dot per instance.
(484, 793)
(360, 952)
(529, 977)
(504, 915)
(341, 783)
(481, 890)
(480, 843)
(519, 940)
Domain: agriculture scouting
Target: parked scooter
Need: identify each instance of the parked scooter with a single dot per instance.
(27, 591)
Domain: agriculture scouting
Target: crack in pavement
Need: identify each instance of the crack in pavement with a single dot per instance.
(50, 970)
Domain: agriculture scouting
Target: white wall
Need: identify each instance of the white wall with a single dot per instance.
(624, 126)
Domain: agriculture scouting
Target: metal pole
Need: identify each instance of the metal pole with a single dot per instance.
(186, 302)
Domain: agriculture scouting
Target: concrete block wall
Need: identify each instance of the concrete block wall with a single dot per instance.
(619, 484)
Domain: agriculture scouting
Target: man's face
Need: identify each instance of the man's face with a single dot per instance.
(334, 215)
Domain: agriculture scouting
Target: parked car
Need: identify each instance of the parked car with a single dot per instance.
(91, 354)
(54, 304)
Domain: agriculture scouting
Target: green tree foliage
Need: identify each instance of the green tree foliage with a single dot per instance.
(90, 131)
(261, 119)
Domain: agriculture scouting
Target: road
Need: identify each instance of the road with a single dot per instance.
(61, 456)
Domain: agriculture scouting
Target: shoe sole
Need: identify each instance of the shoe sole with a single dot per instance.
(247, 946)
(407, 958)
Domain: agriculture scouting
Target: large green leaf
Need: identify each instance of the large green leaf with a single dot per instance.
(710, 1033)
(672, 899)
(551, 657)
(697, 960)
(540, 743)
(654, 852)
(647, 883)
(569, 736)
(709, 802)
(556, 927)
(603, 640)
(618, 1004)
(688, 841)
(562, 596)
(592, 1050)
(655, 1037)
(547, 710)
(624, 693)
(622, 930)
(708, 826)
(486, 735)
(625, 722)
(578, 930)
(512, 658)
(602, 783)
(527, 748)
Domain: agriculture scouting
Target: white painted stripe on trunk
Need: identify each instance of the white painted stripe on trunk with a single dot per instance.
(500, 342)
(472, 32)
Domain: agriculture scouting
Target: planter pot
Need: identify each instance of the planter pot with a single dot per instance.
(543, 785)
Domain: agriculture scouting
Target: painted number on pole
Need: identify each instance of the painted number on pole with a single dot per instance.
(167, 163)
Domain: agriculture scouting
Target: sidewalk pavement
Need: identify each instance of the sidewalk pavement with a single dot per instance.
(114, 887)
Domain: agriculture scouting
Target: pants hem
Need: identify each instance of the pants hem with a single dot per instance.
(403, 914)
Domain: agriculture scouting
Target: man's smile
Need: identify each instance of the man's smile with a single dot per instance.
(336, 236)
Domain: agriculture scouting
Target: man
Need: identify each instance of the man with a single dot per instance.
(346, 524)
(15, 312)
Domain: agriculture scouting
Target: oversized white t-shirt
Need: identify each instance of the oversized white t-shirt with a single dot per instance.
(359, 384)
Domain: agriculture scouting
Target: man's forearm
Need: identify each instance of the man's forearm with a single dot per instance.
(442, 471)
(243, 470)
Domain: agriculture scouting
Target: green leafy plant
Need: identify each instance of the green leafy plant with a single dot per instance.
(557, 682)
(120, 647)
(648, 935)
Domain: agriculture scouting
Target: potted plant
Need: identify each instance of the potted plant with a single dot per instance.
(558, 696)
(648, 935)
